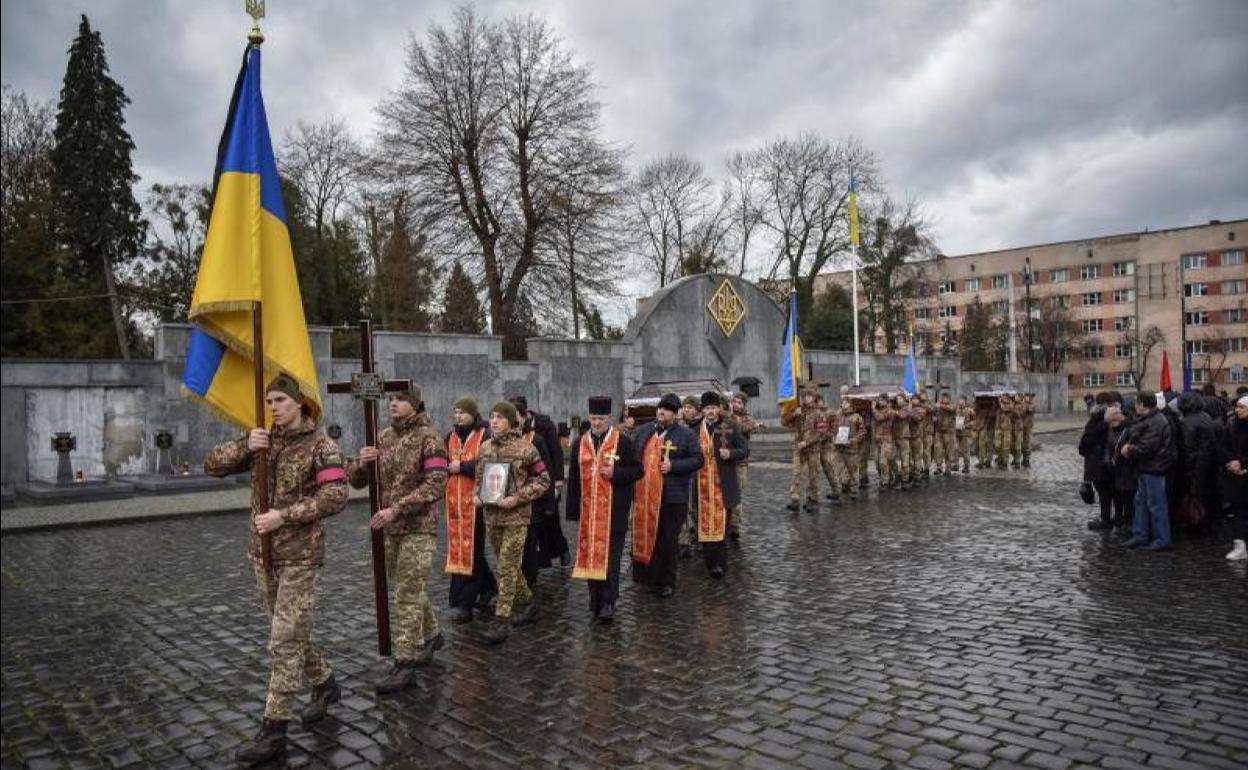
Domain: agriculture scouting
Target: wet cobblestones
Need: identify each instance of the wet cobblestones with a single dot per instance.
(972, 622)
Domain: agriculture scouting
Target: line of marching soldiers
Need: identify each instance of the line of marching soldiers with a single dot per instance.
(497, 481)
(910, 438)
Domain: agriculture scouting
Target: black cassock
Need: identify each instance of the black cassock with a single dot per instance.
(627, 471)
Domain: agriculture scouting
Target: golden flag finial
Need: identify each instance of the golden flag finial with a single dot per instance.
(255, 9)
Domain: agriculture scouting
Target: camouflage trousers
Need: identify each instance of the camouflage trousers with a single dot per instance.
(964, 442)
(902, 461)
(918, 462)
(508, 546)
(409, 559)
(983, 446)
(947, 450)
(736, 514)
(806, 466)
(834, 469)
(886, 462)
(927, 451)
(1025, 445)
(1003, 442)
(865, 452)
(289, 596)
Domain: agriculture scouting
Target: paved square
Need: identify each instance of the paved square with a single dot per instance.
(971, 623)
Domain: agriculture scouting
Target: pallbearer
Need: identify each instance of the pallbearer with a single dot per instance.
(669, 456)
(472, 581)
(715, 487)
(603, 468)
(307, 483)
(412, 466)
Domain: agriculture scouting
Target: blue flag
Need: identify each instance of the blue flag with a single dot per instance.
(790, 358)
(911, 384)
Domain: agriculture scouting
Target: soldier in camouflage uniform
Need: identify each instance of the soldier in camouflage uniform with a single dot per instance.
(829, 460)
(920, 419)
(925, 434)
(882, 418)
(1016, 432)
(507, 522)
(1004, 434)
(807, 447)
(903, 462)
(747, 425)
(307, 483)
(854, 428)
(1029, 424)
(946, 436)
(984, 431)
(412, 467)
(970, 431)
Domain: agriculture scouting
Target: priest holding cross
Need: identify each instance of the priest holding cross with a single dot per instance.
(600, 493)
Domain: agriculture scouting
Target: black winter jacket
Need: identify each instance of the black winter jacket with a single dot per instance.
(1152, 446)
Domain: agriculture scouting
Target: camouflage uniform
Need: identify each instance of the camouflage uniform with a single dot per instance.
(946, 437)
(506, 529)
(806, 462)
(829, 459)
(904, 462)
(984, 428)
(850, 452)
(746, 425)
(1029, 423)
(867, 449)
(971, 431)
(412, 469)
(1016, 432)
(882, 417)
(306, 483)
(1004, 434)
(926, 434)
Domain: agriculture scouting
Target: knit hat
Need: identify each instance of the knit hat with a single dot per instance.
(506, 409)
(692, 401)
(284, 383)
(411, 396)
(520, 402)
(468, 405)
(669, 402)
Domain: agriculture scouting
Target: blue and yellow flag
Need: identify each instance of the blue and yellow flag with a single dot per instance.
(911, 383)
(853, 211)
(247, 259)
(791, 358)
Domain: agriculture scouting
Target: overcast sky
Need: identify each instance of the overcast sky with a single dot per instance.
(1012, 122)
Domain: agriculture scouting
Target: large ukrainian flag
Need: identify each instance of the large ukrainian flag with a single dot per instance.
(791, 358)
(247, 259)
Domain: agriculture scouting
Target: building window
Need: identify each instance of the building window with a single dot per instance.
(1195, 261)
(1093, 379)
(948, 311)
(1124, 379)
(1236, 344)
(1061, 300)
(1000, 281)
(1124, 295)
(1091, 298)
(1234, 287)
(1197, 346)
(1196, 318)
(972, 284)
(1200, 376)
(1061, 275)
(1089, 272)
(1237, 375)
(1234, 315)
(1124, 323)
(1001, 306)
(1195, 290)
(1124, 268)
(1090, 325)
(1093, 351)
(1124, 350)
(922, 313)
(1232, 258)
(946, 287)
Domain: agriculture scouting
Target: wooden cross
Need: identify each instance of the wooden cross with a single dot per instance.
(369, 386)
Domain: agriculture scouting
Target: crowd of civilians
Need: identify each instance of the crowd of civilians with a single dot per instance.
(1157, 463)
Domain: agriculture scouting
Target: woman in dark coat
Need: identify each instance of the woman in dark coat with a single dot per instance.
(1095, 469)
(1233, 457)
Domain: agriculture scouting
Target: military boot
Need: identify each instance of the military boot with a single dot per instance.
(497, 631)
(268, 743)
(523, 614)
(966, 466)
(425, 656)
(323, 694)
(400, 677)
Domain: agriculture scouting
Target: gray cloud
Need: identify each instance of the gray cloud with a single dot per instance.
(1013, 122)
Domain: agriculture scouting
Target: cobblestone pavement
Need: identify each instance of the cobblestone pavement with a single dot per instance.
(973, 623)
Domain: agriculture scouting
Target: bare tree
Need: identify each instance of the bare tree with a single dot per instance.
(178, 216)
(1053, 335)
(321, 160)
(895, 245)
(678, 214)
(1142, 343)
(745, 211)
(25, 153)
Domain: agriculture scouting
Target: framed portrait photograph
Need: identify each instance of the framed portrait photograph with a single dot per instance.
(495, 481)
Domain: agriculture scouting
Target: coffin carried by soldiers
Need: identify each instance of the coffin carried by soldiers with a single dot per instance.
(642, 403)
(988, 400)
(862, 397)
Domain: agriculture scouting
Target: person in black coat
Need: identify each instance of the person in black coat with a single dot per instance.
(727, 447)
(677, 470)
(1122, 472)
(1151, 448)
(1096, 471)
(621, 468)
(1233, 459)
(1200, 443)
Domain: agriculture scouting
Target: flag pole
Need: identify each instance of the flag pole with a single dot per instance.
(853, 270)
(260, 464)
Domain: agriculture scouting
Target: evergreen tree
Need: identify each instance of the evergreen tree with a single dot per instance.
(946, 341)
(404, 280)
(525, 318)
(98, 220)
(983, 341)
(830, 324)
(461, 308)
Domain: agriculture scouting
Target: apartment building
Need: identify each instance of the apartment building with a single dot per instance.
(1190, 283)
